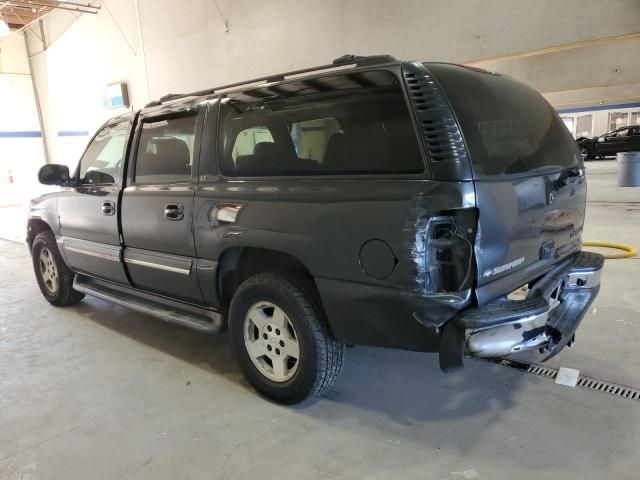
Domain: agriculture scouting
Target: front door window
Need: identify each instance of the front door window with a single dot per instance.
(102, 161)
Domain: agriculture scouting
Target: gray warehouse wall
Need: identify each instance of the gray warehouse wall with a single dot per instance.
(190, 51)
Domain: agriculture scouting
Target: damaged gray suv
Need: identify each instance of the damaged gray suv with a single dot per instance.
(370, 201)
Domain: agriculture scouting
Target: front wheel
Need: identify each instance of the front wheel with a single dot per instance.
(585, 154)
(281, 340)
(55, 279)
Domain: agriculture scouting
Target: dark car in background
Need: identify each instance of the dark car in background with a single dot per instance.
(623, 139)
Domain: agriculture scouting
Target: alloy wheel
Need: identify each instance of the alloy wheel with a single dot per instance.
(271, 341)
(49, 270)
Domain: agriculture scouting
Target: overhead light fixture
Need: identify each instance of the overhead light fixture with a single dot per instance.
(5, 31)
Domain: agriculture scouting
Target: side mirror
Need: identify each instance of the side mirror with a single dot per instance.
(53, 174)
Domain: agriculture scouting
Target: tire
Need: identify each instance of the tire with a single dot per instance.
(585, 154)
(54, 277)
(274, 317)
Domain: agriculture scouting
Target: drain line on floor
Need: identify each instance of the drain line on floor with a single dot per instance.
(583, 381)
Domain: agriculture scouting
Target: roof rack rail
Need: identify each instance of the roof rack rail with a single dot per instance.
(362, 61)
(358, 61)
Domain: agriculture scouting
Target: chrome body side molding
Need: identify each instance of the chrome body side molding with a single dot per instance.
(85, 247)
(158, 261)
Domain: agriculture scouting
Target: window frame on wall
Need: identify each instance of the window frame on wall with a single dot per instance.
(170, 113)
(566, 119)
(635, 121)
(223, 142)
(616, 125)
(584, 132)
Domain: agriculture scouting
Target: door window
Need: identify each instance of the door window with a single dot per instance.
(620, 133)
(102, 161)
(165, 150)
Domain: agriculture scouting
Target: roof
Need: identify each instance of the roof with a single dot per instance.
(340, 63)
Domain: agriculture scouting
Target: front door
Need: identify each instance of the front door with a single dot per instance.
(157, 205)
(615, 142)
(89, 210)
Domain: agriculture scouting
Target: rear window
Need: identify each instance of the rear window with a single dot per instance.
(357, 123)
(509, 128)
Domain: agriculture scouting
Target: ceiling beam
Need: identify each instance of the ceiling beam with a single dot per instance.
(19, 17)
(19, 14)
(554, 49)
(83, 8)
(25, 8)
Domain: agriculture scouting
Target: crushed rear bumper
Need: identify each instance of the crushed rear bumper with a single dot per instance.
(545, 320)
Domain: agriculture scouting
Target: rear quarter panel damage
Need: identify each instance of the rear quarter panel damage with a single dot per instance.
(324, 225)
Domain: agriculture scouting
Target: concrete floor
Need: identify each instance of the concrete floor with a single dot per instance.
(100, 392)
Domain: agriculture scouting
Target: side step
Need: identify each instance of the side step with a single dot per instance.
(190, 316)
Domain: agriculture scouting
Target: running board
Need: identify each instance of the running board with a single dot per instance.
(190, 316)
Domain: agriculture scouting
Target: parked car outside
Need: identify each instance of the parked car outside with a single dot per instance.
(624, 139)
(370, 201)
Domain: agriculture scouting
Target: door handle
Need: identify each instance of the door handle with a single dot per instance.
(108, 208)
(174, 211)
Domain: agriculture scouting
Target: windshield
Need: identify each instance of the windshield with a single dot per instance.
(509, 128)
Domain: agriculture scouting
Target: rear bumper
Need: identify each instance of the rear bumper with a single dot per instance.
(545, 320)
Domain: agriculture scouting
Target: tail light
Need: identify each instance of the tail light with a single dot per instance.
(449, 264)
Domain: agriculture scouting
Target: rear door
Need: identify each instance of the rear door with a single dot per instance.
(157, 204)
(88, 210)
(528, 175)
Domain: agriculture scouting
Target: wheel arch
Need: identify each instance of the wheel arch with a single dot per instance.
(237, 263)
(36, 226)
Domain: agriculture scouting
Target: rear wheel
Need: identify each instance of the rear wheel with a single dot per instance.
(54, 277)
(280, 337)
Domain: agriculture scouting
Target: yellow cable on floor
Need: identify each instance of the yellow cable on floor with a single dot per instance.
(628, 251)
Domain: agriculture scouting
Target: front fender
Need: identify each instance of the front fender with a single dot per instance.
(42, 214)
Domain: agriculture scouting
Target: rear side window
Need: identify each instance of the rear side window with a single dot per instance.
(508, 127)
(165, 150)
(247, 139)
(344, 124)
